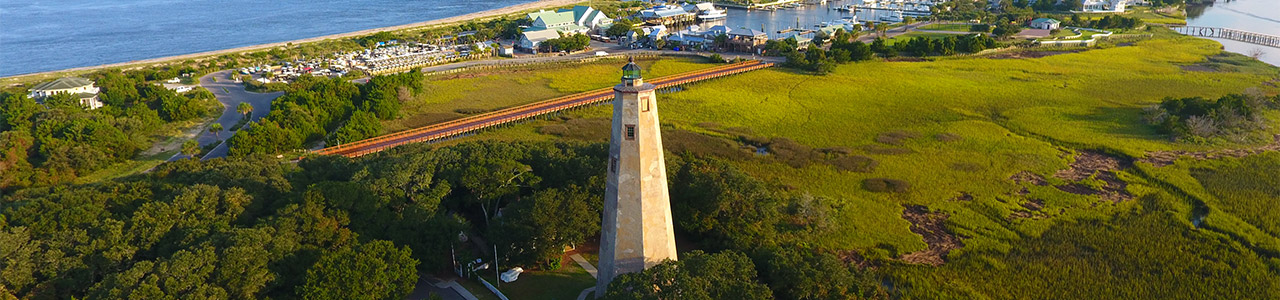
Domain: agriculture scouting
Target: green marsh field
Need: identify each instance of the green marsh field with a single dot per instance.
(1033, 165)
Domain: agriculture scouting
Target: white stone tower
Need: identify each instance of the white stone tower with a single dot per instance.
(636, 233)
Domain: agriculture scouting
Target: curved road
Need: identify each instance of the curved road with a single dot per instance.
(231, 94)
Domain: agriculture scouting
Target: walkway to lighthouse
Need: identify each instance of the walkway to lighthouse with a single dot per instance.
(515, 114)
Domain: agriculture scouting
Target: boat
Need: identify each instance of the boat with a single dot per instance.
(712, 14)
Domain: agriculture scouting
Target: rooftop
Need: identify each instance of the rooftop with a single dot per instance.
(62, 84)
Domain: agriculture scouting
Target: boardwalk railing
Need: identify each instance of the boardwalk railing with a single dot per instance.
(519, 113)
(1230, 34)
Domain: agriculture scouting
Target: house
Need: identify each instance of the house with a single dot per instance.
(529, 40)
(1103, 5)
(1045, 23)
(802, 40)
(747, 40)
(549, 24)
(580, 19)
(586, 16)
(657, 32)
(82, 88)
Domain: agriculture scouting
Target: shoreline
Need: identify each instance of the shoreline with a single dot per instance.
(466, 17)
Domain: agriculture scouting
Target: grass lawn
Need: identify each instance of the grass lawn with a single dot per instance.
(913, 34)
(564, 283)
(948, 27)
(1147, 15)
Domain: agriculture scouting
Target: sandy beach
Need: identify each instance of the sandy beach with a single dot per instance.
(455, 19)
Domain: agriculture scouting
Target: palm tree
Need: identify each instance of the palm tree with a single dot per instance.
(244, 108)
(216, 128)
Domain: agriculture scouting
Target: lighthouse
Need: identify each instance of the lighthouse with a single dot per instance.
(637, 230)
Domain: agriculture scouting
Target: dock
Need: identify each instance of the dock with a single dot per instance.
(762, 6)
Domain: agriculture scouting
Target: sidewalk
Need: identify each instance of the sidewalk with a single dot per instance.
(449, 290)
(590, 269)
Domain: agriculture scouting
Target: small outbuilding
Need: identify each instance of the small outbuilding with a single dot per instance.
(1045, 23)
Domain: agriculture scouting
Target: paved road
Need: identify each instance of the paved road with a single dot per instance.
(449, 290)
(231, 94)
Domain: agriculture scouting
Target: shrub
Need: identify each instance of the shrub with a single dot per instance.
(885, 185)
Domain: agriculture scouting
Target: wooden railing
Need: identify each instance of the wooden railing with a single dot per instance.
(522, 112)
(1230, 34)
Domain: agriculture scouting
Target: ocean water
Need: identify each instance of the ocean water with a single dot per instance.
(47, 35)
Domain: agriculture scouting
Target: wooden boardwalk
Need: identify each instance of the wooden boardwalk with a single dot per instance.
(523, 112)
(1230, 34)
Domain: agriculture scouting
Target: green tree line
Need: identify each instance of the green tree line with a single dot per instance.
(59, 140)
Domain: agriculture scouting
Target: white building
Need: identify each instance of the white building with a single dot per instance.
(549, 24)
(531, 39)
(80, 87)
(1104, 5)
(1045, 23)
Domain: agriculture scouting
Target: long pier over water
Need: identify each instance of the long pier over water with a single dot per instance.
(1230, 34)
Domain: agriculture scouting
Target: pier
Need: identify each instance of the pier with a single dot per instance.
(1230, 34)
(762, 6)
(468, 125)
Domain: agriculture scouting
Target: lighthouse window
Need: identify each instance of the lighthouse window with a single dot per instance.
(631, 132)
(644, 103)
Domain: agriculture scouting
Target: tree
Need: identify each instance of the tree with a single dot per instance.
(216, 130)
(859, 51)
(801, 274)
(361, 125)
(1006, 30)
(191, 148)
(880, 46)
(696, 276)
(619, 28)
(374, 270)
(536, 229)
(244, 108)
(881, 29)
(17, 111)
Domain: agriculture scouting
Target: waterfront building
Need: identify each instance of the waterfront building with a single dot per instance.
(81, 88)
(636, 232)
(1114, 6)
(549, 24)
(670, 15)
(747, 40)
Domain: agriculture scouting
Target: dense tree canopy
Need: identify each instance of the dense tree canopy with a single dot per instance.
(59, 140)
